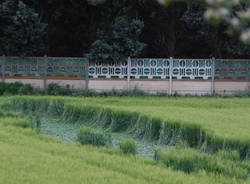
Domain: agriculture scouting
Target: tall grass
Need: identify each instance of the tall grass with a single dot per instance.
(189, 160)
(121, 115)
(8, 121)
(128, 147)
(28, 157)
(94, 137)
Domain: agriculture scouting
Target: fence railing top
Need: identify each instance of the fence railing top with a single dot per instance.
(69, 58)
(233, 60)
(17, 57)
(200, 59)
(133, 58)
(32, 57)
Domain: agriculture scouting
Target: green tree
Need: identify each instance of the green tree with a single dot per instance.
(21, 32)
(179, 29)
(118, 42)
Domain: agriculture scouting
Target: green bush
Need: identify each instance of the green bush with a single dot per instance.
(26, 89)
(1, 113)
(13, 88)
(16, 88)
(128, 147)
(3, 87)
(53, 89)
(93, 137)
(56, 89)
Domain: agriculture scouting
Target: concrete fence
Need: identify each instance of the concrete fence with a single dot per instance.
(164, 75)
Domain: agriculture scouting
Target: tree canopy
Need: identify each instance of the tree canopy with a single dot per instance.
(119, 42)
(21, 31)
(78, 27)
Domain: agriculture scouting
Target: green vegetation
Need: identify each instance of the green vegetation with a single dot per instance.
(18, 88)
(54, 89)
(13, 88)
(28, 157)
(32, 27)
(7, 114)
(23, 32)
(205, 123)
(93, 137)
(201, 148)
(119, 42)
(189, 160)
(128, 147)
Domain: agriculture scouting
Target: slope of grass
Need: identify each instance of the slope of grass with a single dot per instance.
(210, 123)
(221, 116)
(27, 157)
(218, 115)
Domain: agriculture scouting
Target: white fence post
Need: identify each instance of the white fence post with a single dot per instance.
(45, 72)
(3, 68)
(128, 72)
(212, 78)
(171, 76)
(87, 74)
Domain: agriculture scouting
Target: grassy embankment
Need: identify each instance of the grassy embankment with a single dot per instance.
(28, 157)
(165, 119)
(205, 123)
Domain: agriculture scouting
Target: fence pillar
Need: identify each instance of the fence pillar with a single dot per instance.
(212, 77)
(45, 72)
(79, 76)
(87, 75)
(248, 75)
(3, 68)
(171, 76)
(128, 73)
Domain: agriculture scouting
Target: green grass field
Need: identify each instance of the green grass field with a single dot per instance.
(223, 117)
(226, 118)
(29, 157)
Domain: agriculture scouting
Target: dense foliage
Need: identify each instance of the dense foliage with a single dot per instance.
(17, 88)
(120, 42)
(21, 31)
(178, 30)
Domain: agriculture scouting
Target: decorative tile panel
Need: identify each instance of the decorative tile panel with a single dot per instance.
(153, 69)
(192, 69)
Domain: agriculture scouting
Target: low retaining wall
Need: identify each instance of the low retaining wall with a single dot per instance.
(183, 87)
(231, 87)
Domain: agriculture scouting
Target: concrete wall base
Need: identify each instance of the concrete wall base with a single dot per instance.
(182, 87)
